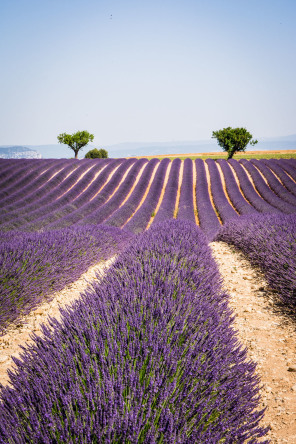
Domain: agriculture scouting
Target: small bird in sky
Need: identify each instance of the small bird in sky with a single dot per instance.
(110, 16)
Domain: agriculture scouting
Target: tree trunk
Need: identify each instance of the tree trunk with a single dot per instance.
(230, 154)
(76, 154)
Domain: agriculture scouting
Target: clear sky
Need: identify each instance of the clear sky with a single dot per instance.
(146, 70)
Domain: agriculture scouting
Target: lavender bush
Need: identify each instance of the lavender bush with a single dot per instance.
(104, 211)
(48, 180)
(52, 211)
(186, 209)
(33, 206)
(269, 241)
(287, 166)
(13, 172)
(141, 218)
(248, 190)
(148, 356)
(276, 186)
(208, 219)
(122, 214)
(59, 198)
(33, 265)
(234, 193)
(167, 206)
(22, 177)
(265, 190)
(41, 195)
(87, 200)
(280, 172)
(225, 210)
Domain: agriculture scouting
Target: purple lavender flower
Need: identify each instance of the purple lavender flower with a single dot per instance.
(147, 356)
(269, 241)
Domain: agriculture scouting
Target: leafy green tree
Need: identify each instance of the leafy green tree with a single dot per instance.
(97, 154)
(233, 139)
(76, 141)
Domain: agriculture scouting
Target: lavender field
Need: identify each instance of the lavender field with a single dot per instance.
(148, 354)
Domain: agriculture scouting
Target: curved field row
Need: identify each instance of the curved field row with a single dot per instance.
(148, 354)
(43, 195)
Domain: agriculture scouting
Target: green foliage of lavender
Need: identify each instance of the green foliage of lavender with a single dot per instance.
(147, 356)
(33, 265)
(269, 241)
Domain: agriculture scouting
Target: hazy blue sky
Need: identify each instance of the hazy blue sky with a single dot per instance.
(151, 70)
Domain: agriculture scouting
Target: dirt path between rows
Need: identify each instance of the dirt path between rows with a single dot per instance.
(268, 334)
(17, 335)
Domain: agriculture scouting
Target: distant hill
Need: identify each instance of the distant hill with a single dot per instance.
(55, 151)
(200, 146)
(128, 149)
(18, 152)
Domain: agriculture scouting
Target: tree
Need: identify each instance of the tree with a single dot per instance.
(233, 139)
(76, 141)
(97, 154)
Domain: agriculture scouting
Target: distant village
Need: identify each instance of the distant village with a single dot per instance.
(18, 152)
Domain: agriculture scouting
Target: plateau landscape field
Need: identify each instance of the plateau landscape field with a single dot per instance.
(142, 266)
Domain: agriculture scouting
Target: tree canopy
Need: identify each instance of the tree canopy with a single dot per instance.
(97, 154)
(76, 141)
(233, 139)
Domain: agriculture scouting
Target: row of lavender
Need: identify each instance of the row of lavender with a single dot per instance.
(24, 281)
(148, 356)
(33, 266)
(96, 424)
(125, 192)
(269, 241)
